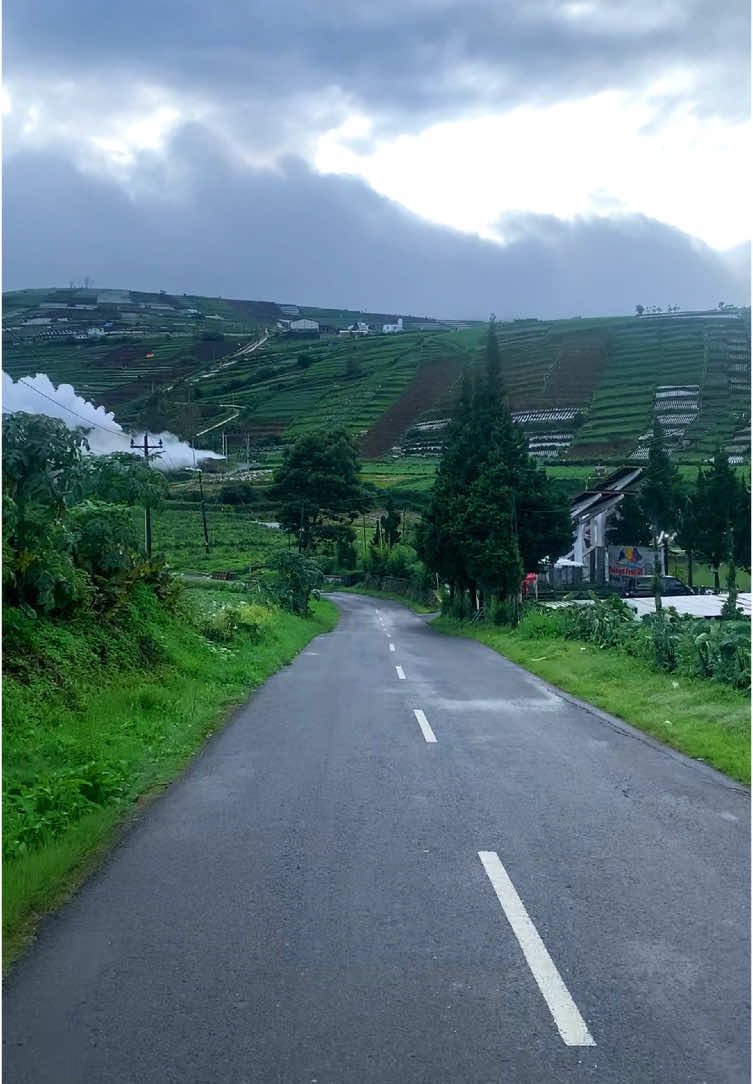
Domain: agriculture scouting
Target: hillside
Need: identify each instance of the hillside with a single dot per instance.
(585, 390)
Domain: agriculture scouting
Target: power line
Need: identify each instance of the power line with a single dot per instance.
(90, 424)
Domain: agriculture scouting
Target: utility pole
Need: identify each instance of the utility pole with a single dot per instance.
(198, 470)
(147, 448)
(203, 511)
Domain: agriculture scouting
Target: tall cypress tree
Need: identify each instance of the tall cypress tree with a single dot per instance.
(719, 495)
(690, 517)
(493, 512)
(660, 489)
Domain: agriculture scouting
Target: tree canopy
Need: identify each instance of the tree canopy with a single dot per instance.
(318, 483)
(493, 513)
(68, 538)
(660, 488)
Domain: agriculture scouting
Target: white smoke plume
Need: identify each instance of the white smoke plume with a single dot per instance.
(38, 395)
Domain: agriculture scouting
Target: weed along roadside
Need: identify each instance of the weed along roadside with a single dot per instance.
(99, 716)
(704, 717)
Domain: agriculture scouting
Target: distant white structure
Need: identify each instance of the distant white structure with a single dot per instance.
(303, 325)
(389, 329)
(359, 328)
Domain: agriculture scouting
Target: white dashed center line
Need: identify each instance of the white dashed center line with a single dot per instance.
(400, 673)
(423, 722)
(570, 1024)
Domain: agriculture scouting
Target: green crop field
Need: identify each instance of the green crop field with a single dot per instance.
(238, 542)
(584, 390)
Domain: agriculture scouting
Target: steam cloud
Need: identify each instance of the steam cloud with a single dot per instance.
(38, 395)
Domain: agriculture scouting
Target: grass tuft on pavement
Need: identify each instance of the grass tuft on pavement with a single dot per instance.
(703, 719)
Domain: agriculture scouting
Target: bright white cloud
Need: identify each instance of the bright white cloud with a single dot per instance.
(606, 153)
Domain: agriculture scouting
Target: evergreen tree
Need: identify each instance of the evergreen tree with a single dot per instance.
(629, 527)
(741, 525)
(660, 488)
(492, 512)
(493, 363)
(390, 521)
(719, 497)
(689, 519)
(318, 481)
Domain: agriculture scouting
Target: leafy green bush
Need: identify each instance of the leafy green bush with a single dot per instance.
(250, 619)
(602, 623)
(723, 653)
(296, 580)
(694, 647)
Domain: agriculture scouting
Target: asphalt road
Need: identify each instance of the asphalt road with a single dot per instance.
(308, 903)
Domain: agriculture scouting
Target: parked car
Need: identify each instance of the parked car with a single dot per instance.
(643, 587)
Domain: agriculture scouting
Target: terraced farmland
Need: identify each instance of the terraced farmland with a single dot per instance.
(584, 390)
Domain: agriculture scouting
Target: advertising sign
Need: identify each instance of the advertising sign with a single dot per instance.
(627, 562)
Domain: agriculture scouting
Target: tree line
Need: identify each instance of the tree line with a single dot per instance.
(709, 518)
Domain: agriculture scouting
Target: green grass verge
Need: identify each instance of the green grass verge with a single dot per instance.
(703, 719)
(98, 719)
(372, 592)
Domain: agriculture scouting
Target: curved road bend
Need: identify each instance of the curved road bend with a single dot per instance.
(453, 876)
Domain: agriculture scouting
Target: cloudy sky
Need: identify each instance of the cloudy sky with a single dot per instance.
(446, 157)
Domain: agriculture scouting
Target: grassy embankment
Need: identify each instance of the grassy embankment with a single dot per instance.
(98, 717)
(701, 718)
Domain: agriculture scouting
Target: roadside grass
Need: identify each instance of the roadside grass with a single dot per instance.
(703, 719)
(98, 720)
(391, 596)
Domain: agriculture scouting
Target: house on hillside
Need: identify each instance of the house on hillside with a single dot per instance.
(304, 327)
(391, 329)
(359, 328)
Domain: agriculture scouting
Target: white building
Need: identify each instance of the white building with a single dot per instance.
(590, 512)
(304, 325)
(392, 328)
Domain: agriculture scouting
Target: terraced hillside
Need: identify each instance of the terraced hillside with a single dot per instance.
(584, 390)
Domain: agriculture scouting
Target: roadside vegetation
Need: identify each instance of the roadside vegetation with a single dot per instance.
(685, 681)
(113, 673)
(96, 715)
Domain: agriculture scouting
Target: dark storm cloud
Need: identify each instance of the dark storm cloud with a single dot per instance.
(293, 235)
(404, 63)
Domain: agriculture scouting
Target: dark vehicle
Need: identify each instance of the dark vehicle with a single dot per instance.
(643, 587)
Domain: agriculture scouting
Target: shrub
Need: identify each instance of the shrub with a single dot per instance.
(250, 619)
(723, 653)
(296, 579)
